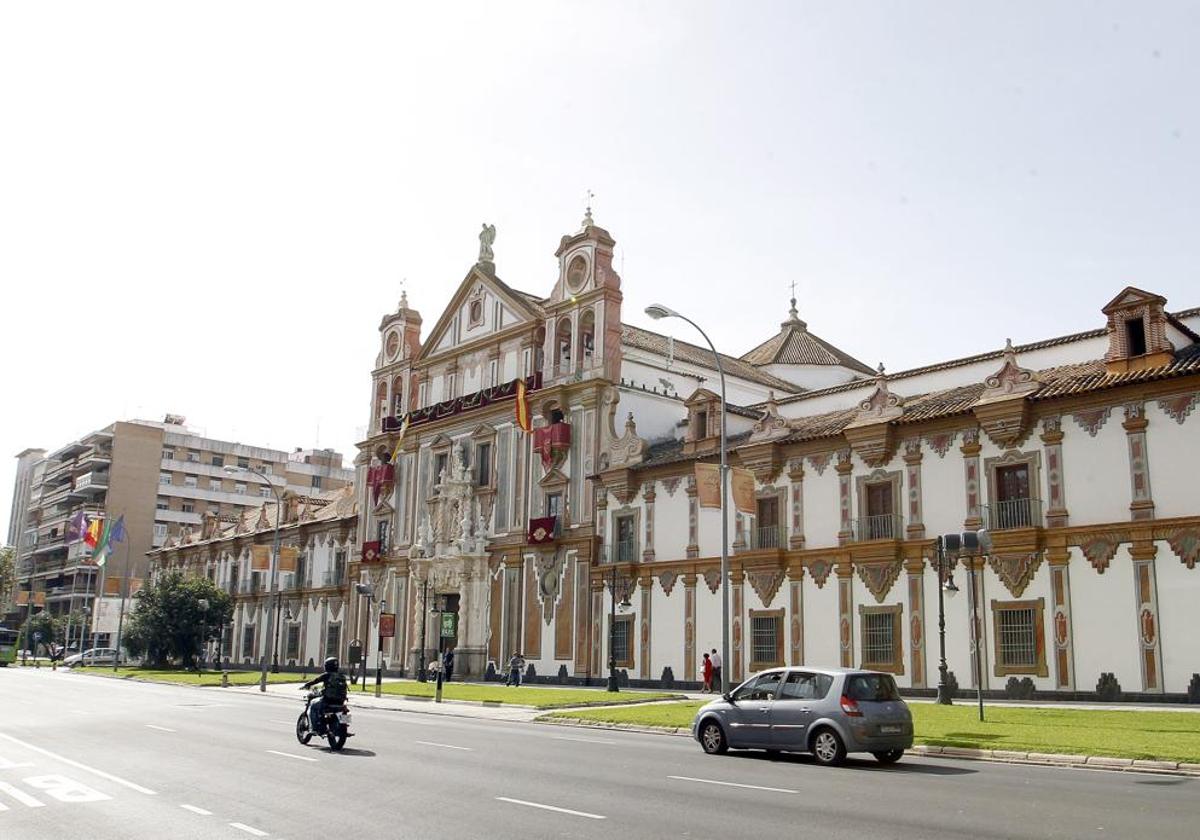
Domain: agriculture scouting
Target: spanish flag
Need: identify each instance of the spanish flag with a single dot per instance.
(400, 439)
(524, 421)
(92, 536)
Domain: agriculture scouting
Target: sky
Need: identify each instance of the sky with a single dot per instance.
(205, 209)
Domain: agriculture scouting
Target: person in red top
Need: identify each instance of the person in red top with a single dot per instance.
(708, 674)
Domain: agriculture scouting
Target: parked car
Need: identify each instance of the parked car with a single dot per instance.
(93, 656)
(828, 712)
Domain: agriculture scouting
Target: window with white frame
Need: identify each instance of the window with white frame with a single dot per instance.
(193, 456)
(189, 481)
(265, 492)
(162, 503)
(188, 507)
(333, 638)
(239, 488)
(168, 454)
(248, 642)
(422, 394)
(214, 484)
(293, 642)
(493, 372)
(164, 478)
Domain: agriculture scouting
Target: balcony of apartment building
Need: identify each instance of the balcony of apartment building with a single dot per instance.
(252, 497)
(1012, 514)
(182, 517)
(210, 470)
(90, 484)
(93, 458)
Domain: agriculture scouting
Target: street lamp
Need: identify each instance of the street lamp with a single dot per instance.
(424, 600)
(369, 591)
(379, 653)
(657, 311)
(203, 605)
(273, 590)
(612, 628)
(946, 589)
(975, 544)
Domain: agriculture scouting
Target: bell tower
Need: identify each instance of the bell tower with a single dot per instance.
(392, 385)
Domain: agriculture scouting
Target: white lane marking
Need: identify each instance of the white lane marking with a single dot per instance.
(159, 728)
(21, 796)
(291, 755)
(444, 746)
(196, 810)
(66, 790)
(551, 808)
(5, 764)
(79, 765)
(732, 784)
(582, 740)
(284, 722)
(249, 829)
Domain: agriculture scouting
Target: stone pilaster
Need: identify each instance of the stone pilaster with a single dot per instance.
(970, 450)
(693, 546)
(1146, 597)
(845, 581)
(737, 642)
(796, 615)
(845, 466)
(915, 567)
(1052, 435)
(1142, 504)
(646, 582)
(915, 529)
(1059, 559)
(796, 476)
(599, 665)
(689, 626)
(648, 496)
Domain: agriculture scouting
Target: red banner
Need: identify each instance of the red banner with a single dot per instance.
(542, 530)
(551, 440)
(387, 625)
(370, 552)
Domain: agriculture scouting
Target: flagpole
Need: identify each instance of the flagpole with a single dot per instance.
(96, 613)
(121, 614)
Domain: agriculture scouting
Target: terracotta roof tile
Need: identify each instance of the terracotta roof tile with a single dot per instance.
(653, 342)
(795, 345)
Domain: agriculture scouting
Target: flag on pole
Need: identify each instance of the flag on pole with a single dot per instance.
(400, 439)
(114, 532)
(92, 536)
(77, 527)
(524, 421)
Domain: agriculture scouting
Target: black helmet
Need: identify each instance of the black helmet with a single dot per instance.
(331, 664)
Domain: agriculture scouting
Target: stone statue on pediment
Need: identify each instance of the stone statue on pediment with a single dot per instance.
(486, 237)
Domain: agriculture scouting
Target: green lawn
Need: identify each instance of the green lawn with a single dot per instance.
(206, 678)
(541, 698)
(1166, 736)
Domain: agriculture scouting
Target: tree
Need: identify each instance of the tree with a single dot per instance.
(46, 628)
(169, 622)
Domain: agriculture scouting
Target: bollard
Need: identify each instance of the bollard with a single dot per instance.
(224, 679)
(438, 696)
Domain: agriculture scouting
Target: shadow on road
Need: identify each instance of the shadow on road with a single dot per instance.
(351, 752)
(904, 766)
(1165, 781)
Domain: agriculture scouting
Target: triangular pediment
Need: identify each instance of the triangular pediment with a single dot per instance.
(701, 396)
(499, 308)
(1132, 296)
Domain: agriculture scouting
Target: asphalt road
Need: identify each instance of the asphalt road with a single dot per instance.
(86, 757)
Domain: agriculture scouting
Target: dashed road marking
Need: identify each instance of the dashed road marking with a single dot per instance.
(732, 784)
(21, 796)
(159, 728)
(444, 746)
(581, 740)
(195, 810)
(79, 765)
(249, 829)
(554, 808)
(291, 755)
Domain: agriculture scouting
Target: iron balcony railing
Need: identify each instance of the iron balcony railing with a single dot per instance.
(623, 551)
(334, 577)
(768, 536)
(887, 526)
(1013, 513)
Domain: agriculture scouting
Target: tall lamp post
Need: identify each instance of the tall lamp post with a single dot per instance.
(657, 311)
(369, 591)
(273, 591)
(975, 544)
(612, 628)
(946, 589)
(425, 601)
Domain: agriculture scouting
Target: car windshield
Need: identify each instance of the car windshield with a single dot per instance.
(872, 687)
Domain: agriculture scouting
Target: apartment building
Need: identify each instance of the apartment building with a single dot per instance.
(163, 478)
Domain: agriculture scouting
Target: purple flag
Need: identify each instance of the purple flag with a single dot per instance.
(77, 527)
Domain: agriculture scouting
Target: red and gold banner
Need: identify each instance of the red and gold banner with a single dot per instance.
(524, 419)
(708, 485)
(370, 552)
(288, 555)
(387, 625)
(541, 530)
(260, 558)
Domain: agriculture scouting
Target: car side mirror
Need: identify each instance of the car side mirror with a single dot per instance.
(728, 698)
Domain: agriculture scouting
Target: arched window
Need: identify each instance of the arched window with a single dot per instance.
(563, 350)
(397, 396)
(587, 338)
(381, 403)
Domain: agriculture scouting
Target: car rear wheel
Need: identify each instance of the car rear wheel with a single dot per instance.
(712, 738)
(827, 747)
(888, 756)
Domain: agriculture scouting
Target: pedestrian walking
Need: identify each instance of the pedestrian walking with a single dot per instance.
(716, 669)
(448, 663)
(708, 674)
(515, 666)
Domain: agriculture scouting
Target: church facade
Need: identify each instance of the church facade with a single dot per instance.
(1076, 453)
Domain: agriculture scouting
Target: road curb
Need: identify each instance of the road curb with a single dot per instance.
(1088, 762)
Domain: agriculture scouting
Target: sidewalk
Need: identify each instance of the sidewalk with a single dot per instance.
(392, 702)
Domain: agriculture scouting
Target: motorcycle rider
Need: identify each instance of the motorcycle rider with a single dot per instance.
(333, 692)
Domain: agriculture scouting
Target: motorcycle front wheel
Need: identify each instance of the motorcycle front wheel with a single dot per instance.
(303, 730)
(337, 736)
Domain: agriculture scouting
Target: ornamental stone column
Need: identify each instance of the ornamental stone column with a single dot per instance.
(1142, 505)
(1143, 551)
(915, 530)
(1052, 436)
(1059, 559)
(845, 465)
(970, 450)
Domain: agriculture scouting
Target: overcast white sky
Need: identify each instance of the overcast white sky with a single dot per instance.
(205, 208)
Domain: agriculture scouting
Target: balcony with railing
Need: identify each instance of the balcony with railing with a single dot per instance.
(768, 537)
(334, 577)
(887, 526)
(1013, 513)
(622, 551)
(90, 483)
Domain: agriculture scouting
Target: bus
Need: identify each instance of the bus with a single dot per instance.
(8, 646)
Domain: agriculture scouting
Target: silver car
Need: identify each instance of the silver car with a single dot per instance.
(825, 711)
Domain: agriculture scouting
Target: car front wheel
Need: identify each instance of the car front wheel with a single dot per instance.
(712, 738)
(827, 747)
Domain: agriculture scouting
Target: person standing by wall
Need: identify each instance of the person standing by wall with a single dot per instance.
(716, 667)
(448, 663)
(708, 674)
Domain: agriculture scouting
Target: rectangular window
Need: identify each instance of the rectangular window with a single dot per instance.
(767, 531)
(160, 533)
(265, 492)
(1018, 631)
(164, 478)
(701, 425)
(483, 465)
(214, 484)
(161, 504)
(381, 534)
(265, 469)
(439, 470)
(626, 532)
(766, 639)
(622, 641)
(333, 638)
(293, 642)
(316, 482)
(493, 372)
(1135, 336)
(218, 460)
(243, 463)
(193, 456)
(451, 383)
(227, 645)
(168, 454)
(422, 393)
(189, 481)
(554, 504)
(880, 631)
(188, 507)
(248, 642)
(239, 488)
(879, 523)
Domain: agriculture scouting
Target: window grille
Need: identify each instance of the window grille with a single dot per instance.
(620, 640)
(1018, 637)
(764, 638)
(293, 641)
(878, 639)
(333, 639)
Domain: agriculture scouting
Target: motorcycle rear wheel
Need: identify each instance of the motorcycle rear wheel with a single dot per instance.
(303, 729)
(337, 737)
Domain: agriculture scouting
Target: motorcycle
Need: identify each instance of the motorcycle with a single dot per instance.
(335, 723)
